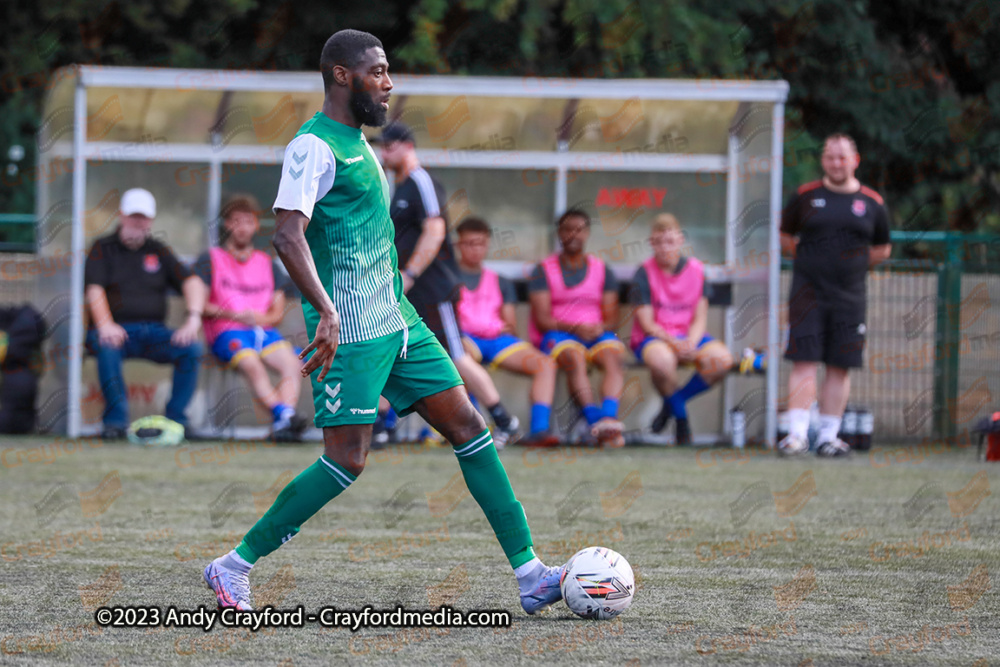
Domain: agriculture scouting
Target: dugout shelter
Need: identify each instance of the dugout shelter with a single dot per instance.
(515, 151)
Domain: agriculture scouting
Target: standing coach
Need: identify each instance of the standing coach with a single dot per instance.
(835, 229)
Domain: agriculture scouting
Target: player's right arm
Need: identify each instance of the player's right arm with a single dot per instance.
(789, 232)
(109, 333)
(642, 300)
(290, 243)
(541, 303)
(306, 177)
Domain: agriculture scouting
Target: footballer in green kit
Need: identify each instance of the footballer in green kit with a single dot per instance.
(335, 238)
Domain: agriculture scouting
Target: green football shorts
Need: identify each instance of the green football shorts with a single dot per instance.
(362, 371)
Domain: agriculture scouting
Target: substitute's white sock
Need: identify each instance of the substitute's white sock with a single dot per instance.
(829, 427)
(798, 423)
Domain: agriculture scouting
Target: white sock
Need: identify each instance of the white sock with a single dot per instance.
(526, 575)
(233, 561)
(798, 423)
(829, 426)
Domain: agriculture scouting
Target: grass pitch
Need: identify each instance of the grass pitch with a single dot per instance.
(882, 559)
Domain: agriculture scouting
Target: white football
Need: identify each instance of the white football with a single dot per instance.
(597, 583)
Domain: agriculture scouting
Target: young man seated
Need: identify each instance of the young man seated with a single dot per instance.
(246, 302)
(669, 326)
(574, 296)
(487, 319)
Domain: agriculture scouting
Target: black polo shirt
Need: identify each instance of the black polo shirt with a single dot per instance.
(136, 281)
(417, 198)
(835, 231)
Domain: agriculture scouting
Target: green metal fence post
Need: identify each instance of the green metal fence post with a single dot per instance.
(947, 337)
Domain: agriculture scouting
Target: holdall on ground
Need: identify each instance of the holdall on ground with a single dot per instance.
(155, 431)
(849, 427)
(990, 427)
(18, 392)
(866, 426)
(22, 331)
(25, 331)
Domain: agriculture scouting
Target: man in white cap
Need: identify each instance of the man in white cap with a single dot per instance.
(127, 276)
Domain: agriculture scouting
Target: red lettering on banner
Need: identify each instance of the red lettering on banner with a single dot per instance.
(631, 197)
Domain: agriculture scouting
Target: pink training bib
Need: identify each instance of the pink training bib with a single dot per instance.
(674, 297)
(238, 286)
(579, 304)
(479, 309)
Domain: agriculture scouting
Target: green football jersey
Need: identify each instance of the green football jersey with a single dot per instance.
(332, 175)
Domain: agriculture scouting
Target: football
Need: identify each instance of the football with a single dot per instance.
(597, 583)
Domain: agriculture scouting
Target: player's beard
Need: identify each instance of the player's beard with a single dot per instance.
(365, 109)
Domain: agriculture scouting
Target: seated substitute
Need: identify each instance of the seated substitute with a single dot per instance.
(574, 297)
(669, 325)
(488, 322)
(126, 278)
(246, 301)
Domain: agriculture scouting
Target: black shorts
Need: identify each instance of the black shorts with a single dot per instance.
(441, 320)
(823, 332)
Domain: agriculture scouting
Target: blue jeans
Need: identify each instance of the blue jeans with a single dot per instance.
(146, 340)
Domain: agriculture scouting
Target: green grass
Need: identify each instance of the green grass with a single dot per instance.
(157, 536)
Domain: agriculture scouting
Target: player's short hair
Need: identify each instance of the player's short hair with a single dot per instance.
(240, 203)
(837, 136)
(665, 222)
(573, 213)
(474, 225)
(344, 48)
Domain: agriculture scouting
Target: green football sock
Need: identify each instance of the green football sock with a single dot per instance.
(314, 487)
(488, 483)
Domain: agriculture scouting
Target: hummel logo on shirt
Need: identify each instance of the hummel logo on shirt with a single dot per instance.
(352, 160)
(818, 203)
(359, 411)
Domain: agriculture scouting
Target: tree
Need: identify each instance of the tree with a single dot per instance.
(916, 82)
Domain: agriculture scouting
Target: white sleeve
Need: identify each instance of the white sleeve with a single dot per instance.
(432, 207)
(306, 174)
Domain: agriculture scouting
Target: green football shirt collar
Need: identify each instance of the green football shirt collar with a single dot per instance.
(337, 127)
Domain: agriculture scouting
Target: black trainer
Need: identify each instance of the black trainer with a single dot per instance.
(683, 433)
(114, 433)
(661, 420)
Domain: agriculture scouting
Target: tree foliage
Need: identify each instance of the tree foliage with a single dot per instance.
(915, 81)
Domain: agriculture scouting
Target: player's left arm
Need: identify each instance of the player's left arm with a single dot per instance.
(508, 310)
(427, 248)
(880, 248)
(699, 322)
(610, 306)
(275, 312)
(509, 316)
(610, 310)
(195, 295)
(434, 230)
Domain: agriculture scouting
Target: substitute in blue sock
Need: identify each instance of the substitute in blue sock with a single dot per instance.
(678, 400)
(592, 414)
(540, 417)
(609, 407)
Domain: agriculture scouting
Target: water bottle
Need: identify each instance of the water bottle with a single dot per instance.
(739, 424)
(866, 425)
(849, 427)
(813, 433)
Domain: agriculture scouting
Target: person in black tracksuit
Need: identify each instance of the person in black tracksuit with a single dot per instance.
(835, 229)
(427, 263)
